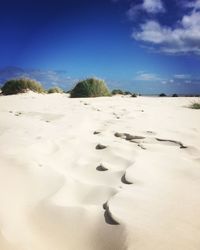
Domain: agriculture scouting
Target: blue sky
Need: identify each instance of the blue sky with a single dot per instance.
(148, 46)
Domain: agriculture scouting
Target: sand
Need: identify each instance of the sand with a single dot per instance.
(138, 190)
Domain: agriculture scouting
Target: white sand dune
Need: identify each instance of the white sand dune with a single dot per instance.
(58, 192)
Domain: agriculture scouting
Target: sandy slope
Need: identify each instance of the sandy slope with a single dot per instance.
(54, 194)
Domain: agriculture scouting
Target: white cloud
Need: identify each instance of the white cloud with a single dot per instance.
(195, 5)
(184, 38)
(142, 76)
(153, 6)
(181, 76)
(149, 6)
(151, 31)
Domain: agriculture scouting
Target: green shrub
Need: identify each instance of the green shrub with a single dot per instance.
(68, 91)
(162, 95)
(22, 85)
(134, 95)
(55, 90)
(127, 93)
(117, 92)
(91, 87)
(195, 105)
(174, 95)
(120, 92)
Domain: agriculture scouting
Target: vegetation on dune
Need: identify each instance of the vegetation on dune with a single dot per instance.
(117, 92)
(174, 95)
(68, 91)
(195, 105)
(90, 87)
(162, 95)
(55, 90)
(127, 93)
(134, 95)
(21, 85)
(121, 92)
(189, 95)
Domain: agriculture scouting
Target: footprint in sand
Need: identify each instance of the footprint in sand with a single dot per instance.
(137, 139)
(100, 146)
(108, 215)
(141, 146)
(116, 116)
(101, 167)
(149, 132)
(172, 141)
(96, 132)
(125, 181)
(18, 113)
(129, 137)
